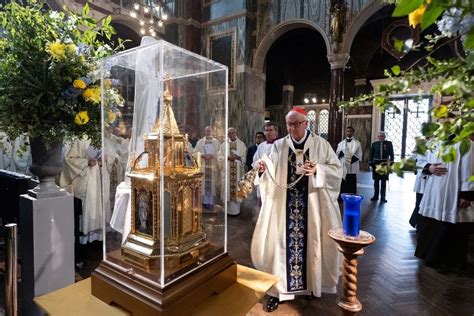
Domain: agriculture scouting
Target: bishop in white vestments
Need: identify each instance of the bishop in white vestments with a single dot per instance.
(81, 170)
(208, 147)
(299, 188)
(235, 170)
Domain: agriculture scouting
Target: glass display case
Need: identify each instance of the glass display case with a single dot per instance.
(164, 115)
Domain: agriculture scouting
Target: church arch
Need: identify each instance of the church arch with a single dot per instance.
(276, 32)
(357, 23)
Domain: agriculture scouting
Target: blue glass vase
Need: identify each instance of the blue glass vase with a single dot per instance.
(351, 219)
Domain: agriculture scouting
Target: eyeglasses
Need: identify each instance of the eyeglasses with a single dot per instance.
(295, 125)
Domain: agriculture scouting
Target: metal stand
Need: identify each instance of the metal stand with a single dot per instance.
(11, 285)
(351, 248)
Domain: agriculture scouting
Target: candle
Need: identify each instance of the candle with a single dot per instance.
(351, 218)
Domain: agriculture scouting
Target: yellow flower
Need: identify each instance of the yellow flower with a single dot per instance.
(81, 118)
(111, 117)
(107, 83)
(79, 84)
(56, 50)
(92, 94)
(414, 18)
(72, 48)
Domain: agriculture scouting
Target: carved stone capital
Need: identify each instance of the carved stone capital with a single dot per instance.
(360, 82)
(338, 60)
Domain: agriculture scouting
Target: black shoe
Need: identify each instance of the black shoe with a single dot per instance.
(383, 200)
(309, 297)
(374, 198)
(272, 304)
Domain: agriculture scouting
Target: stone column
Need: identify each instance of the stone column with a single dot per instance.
(338, 62)
(287, 97)
(278, 112)
(360, 86)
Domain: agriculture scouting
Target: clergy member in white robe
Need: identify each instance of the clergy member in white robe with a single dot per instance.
(235, 170)
(115, 159)
(349, 152)
(299, 188)
(81, 171)
(21, 155)
(448, 212)
(208, 147)
(5, 151)
(419, 188)
(271, 135)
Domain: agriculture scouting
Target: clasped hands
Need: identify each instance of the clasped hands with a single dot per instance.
(438, 169)
(309, 167)
(208, 157)
(233, 157)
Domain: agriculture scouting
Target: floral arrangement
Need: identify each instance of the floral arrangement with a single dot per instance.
(49, 73)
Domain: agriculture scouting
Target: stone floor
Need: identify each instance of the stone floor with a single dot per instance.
(391, 280)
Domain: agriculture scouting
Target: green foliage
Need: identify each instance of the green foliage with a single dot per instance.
(432, 13)
(396, 70)
(406, 6)
(42, 54)
(453, 81)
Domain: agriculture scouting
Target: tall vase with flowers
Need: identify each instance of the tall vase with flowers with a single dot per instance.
(50, 81)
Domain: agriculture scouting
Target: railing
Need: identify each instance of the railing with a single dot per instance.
(11, 285)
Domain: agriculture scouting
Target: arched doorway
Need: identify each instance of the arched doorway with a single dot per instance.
(126, 32)
(372, 52)
(295, 66)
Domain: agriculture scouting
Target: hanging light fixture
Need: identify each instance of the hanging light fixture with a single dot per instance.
(149, 13)
(310, 98)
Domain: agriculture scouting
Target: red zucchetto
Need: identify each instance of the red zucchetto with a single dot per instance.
(299, 110)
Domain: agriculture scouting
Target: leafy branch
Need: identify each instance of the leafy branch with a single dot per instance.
(452, 81)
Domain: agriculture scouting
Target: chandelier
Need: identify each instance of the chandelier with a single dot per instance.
(150, 14)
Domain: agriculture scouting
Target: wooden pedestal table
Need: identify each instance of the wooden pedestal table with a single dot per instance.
(351, 247)
(238, 299)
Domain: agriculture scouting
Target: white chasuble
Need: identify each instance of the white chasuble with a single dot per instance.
(210, 168)
(236, 170)
(85, 181)
(273, 243)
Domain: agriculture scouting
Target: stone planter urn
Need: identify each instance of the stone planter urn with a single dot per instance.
(46, 165)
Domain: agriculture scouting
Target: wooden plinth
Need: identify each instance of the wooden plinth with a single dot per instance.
(351, 248)
(140, 297)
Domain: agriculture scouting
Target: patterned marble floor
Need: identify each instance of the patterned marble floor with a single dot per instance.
(391, 280)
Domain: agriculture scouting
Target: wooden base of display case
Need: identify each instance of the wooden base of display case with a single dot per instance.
(140, 297)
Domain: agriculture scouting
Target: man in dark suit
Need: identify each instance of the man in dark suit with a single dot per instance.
(380, 152)
(259, 138)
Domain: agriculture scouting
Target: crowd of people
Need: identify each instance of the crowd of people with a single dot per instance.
(444, 213)
(300, 178)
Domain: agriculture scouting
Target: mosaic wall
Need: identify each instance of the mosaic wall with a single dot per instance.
(312, 10)
(245, 96)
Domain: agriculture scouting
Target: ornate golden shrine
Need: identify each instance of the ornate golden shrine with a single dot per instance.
(184, 237)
